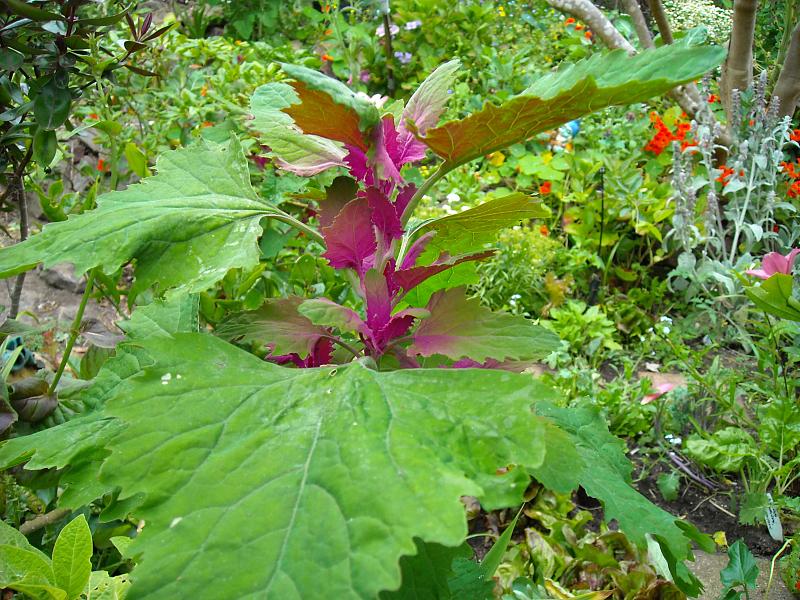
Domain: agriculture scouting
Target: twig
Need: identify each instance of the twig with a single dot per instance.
(17, 172)
(660, 17)
(722, 509)
(44, 520)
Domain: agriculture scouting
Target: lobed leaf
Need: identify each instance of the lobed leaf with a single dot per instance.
(184, 228)
(592, 84)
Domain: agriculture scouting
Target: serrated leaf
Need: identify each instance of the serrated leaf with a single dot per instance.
(296, 152)
(606, 475)
(185, 227)
(72, 557)
(321, 311)
(459, 327)
(261, 455)
(471, 229)
(589, 85)
(277, 323)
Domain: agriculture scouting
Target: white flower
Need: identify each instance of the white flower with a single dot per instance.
(453, 197)
(393, 30)
(377, 99)
(412, 25)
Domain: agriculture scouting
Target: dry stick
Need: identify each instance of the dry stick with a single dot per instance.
(787, 88)
(44, 520)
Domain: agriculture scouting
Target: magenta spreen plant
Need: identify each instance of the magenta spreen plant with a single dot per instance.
(340, 481)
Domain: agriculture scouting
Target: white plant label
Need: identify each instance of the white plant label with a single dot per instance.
(773, 521)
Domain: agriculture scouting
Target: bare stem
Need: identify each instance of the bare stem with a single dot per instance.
(16, 294)
(423, 189)
(44, 520)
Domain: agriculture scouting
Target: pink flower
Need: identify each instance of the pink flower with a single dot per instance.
(775, 263)
(661, 389)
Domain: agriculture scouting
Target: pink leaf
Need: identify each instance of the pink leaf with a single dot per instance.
(338, 194)
(384, 215)
(416, 249)
(350, 238)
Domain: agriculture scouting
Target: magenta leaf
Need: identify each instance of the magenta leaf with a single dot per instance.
(378, 300)
(416, 249)
(384, 215)
(350, 238)
(341, 191)
(278, 324)
(408, 279)
(459, 328)
(321, 354)
(404, 195)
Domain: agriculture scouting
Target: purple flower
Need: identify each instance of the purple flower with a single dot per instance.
(364, 76)
(775, 263)
(393, 30)
(412, 25)
(403, 57)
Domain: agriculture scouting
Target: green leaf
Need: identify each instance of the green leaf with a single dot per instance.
(324, 312)
(742, 569)
(606, 475)
(471, 229)
(575, 90)
(728, 449)
(72, 557)
(774, 296)
(24, 568)
(45, 144)
(102, 586)
(459, 327)
(427, 571)
(137, 161)
(278, 324)
(51, 105)
(241, 449)
(297, 152)
(185, 227)
(162, 318)
(669, 484)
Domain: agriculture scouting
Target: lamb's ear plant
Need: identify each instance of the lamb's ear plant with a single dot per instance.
(258, 480)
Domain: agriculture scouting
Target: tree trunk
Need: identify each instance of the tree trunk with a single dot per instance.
(737, 71)
(787, 88)
(639, 22)
(657, 10)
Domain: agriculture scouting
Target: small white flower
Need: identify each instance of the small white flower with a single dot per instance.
(412, 25)
(453, 197)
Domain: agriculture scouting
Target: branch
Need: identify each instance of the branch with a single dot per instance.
(787, 88)
(737, 70)
(44, 520)
(639, 22)
(660, 16)
(600, 25)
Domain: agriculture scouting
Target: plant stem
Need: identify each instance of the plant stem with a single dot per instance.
(74, 331)
(412, 204)
(344, 345)
(772, 564)
(290, 220)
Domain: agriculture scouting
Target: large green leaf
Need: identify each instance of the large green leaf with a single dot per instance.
(322, 475)
(24, 568)
(774, 296)
(459, 327)
(185, 227)
(597, 82)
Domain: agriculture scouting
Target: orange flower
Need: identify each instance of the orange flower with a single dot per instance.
(328, 31)
(725, 175)
(712, 98)
(207, 124)
(204, 90)
(327, 57)
(101, 165)
(545, 188)
(578, 27)
(664, 137)
(795, 135)
(94, 116)
(544, 230)
(588, 35)
(569, 21)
